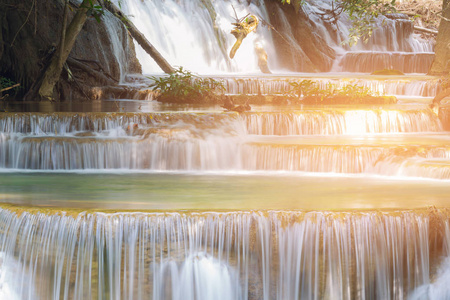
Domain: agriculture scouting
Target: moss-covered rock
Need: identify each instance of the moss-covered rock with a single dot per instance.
(387, 72)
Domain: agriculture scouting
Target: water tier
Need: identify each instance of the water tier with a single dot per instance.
(408, 142)
(419, 86)
(368, 62)
(235, 255)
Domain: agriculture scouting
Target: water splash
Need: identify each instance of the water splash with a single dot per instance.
(439, 288)
(200, 277)
(8, 276)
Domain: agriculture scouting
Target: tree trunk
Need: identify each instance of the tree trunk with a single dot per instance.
(140, 38)
(441, 63)
(1, 43)
(63, 32)
(53, 72)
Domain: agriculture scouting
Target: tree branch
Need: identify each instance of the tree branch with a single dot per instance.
(444, 18)
(26, 21)
(426, 30)
(10, 87)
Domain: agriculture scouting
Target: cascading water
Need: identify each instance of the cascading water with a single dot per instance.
(393, 45)
(368, 62)
(196, 35)
(284, 141)
(389, 35)
(248, 255)
(402, 86)
(251, 254)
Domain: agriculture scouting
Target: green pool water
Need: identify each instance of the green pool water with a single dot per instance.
(211, 191)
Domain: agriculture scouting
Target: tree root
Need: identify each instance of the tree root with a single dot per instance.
(106, 80)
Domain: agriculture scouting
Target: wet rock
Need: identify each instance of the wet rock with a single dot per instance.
(36, 38)
(299, 49)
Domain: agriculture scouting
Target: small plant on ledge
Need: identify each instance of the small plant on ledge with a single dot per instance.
(7, 85)
(310, 92)
(182, 86)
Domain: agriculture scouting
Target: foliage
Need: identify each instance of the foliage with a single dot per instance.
(5, 82)
(445, 83)
(184, 86)
(426, 12)
(362, 14)
(309, 88)
(296, 3)
(97, 10)
(94, 10)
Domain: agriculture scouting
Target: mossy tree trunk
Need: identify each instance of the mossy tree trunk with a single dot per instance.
(441, 63)
(54, 69)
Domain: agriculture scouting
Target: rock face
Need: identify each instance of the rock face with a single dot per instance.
(30, 31)
(299, 48)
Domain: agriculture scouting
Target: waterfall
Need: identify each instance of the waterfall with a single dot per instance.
(389, 35)
(117, 44)
(239, 255)
(196, 34)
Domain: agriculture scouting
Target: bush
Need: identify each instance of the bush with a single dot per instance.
(310, 92)
(182, 86)
(6, 86)
(5, 82)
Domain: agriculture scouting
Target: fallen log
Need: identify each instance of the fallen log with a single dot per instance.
(9, 87)
(426, 30)
(139, 37)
